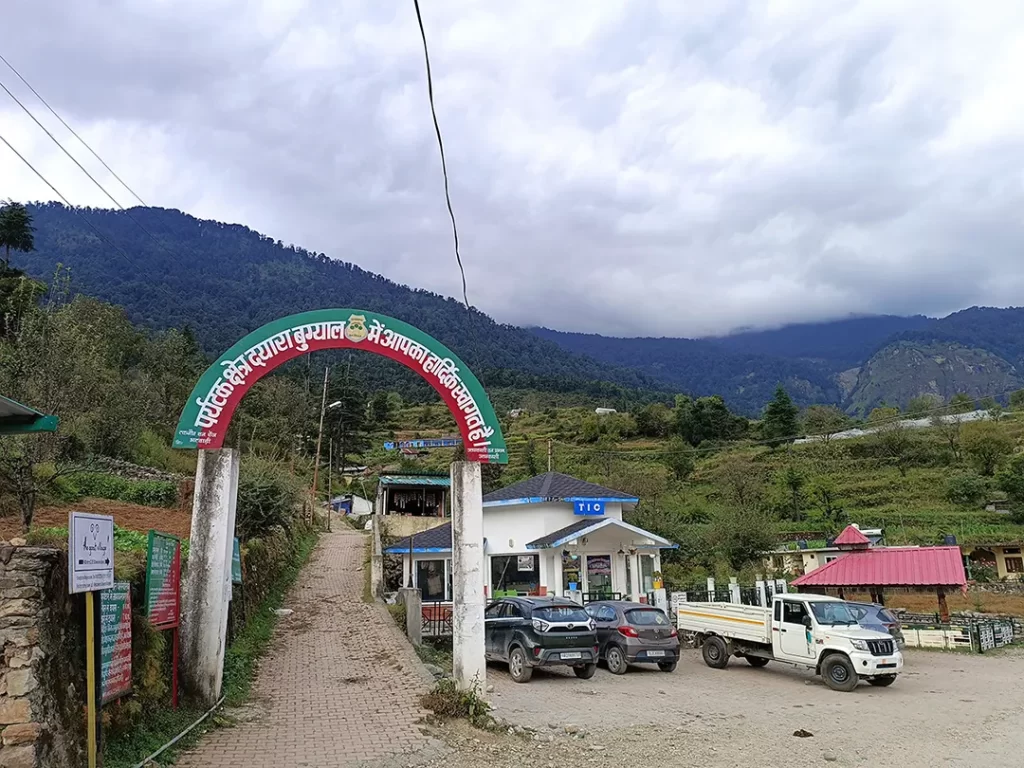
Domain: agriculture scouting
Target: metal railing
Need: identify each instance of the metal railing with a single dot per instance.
(437, 619)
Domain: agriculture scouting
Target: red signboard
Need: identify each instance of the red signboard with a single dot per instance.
(163, 580)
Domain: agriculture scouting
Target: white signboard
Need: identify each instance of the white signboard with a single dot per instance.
(90, 552)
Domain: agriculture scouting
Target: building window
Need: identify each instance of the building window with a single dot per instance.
(419, 502)
(431, 578)
(519, 574)
(646, 573)
(572, 578)
(1014, 564)
(1011, 551)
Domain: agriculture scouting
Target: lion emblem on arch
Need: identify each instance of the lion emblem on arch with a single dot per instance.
(355, 328)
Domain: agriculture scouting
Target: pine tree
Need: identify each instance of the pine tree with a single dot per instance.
(779, 424)
(15, 230)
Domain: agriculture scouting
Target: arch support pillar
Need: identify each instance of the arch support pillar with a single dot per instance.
(468, 664)
(207, 593)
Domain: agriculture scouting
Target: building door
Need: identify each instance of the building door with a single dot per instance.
(599, 575)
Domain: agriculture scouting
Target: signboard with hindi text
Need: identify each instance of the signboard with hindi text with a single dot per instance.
(207, 414)
(163, 580)
(115, 642)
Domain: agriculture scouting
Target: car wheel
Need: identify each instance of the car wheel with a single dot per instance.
(585, 671)
(756, 661)
(882, 681)
(668, 666)
(839, 673)
(518, 668)
(715, 652)
(616, 660)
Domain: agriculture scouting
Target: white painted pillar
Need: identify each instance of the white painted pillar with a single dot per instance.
(734, 590)
(555, 587)
(468, 666)
(634, 576)
(207, 590)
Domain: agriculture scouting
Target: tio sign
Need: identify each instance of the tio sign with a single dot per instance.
(90, 552)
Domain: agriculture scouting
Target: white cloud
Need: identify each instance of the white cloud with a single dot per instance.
(621, 167)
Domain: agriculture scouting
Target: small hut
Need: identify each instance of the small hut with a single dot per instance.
(875, 569)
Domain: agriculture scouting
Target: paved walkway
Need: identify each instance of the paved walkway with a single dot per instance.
(340, 686)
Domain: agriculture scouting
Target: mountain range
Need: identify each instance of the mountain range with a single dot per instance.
(171, 269)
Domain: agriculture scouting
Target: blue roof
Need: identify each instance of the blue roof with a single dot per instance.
(437, 539)
(555, 486)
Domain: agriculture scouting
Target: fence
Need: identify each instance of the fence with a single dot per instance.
(965, 632)
(436, 619)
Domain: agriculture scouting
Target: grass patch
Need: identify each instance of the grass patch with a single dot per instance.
(251, 643)
(448, 702)
(436, 651)
(156, 729)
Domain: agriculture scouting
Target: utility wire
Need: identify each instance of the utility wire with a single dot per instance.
(126, 212)
(78, 213)
(72, 130)
(440, 146)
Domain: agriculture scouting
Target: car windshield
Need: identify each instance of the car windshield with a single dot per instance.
(646, 617)
(561, 613)
(832, 614)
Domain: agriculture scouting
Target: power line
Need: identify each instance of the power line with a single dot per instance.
(440, 146)
(72, 130)
(124, 210)
(78, 213)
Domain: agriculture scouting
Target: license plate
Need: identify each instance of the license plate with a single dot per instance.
(576, 655)
(655, 654)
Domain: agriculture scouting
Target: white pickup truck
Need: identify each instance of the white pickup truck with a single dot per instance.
(811, 631)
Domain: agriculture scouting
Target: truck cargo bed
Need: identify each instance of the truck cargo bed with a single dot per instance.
(751, 623)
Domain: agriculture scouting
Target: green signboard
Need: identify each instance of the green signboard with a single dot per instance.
(115, 642)
(207, 414)
(163, 580)
(236, 563)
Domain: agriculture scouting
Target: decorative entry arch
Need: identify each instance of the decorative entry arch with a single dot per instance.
(205, 420)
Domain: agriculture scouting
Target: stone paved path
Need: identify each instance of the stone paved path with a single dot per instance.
(340, 686)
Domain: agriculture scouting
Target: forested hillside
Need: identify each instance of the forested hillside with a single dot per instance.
(224, 280)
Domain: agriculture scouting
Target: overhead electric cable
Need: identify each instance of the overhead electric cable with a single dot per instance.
(72, 130)
(440, 146)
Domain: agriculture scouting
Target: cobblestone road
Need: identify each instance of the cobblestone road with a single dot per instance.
(340, 687)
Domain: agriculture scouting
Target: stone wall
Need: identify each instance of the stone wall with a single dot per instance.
(42, 659)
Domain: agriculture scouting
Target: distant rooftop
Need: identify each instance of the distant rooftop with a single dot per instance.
(433, 480)
(555, 486)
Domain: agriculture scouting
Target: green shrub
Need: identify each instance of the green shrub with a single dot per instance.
(966, 488)
(447, 701)
(267, 499)
(148, 493)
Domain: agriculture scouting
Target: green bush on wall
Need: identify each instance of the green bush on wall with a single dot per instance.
(148, 493)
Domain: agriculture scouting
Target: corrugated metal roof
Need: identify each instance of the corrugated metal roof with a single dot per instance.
(555, 486)
(441, 482)
(890, 567)
(851, 536)
(17, 419)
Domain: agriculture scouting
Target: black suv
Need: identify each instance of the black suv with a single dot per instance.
(530, 632)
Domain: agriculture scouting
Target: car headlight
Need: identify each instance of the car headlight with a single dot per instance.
(860, 645)
(540, 626)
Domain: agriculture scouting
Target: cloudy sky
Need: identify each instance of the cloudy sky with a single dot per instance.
(624, 167)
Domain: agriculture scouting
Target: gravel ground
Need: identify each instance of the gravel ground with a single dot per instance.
(945, 710)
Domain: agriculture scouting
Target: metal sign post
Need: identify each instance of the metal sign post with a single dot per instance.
(90, 569)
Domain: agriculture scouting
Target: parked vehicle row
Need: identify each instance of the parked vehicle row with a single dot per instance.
(530, 632)
(842, 641)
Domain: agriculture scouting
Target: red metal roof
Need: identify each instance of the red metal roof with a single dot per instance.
(890, 567)
(851, 535)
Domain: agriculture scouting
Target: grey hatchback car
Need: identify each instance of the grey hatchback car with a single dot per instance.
(634, 633)
(878, 618)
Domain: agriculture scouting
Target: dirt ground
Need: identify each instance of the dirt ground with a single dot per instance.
(946, 709)
(131, 516)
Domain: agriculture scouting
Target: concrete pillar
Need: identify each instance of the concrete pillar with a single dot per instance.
(711, 589)
(207, 590)
(468, 664)
(555, 587)
(412, 599)
(762, 594)
(734, 590)
(377, 560)
(635, 577)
